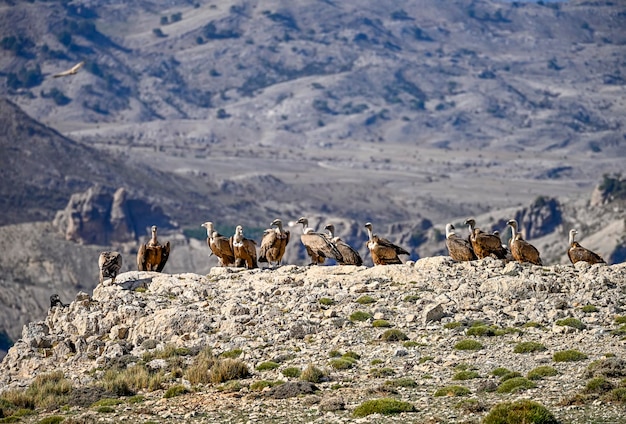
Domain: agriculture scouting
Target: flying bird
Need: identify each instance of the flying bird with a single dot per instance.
(350, 255)
(521, 250)
(152, 256)
(219, 245)
(578, 253)
(317, 245)
(72, 71)
(273, 243)
(484, 244)
(244, 249)
(110, 264)
(460, 249)
(383, 251)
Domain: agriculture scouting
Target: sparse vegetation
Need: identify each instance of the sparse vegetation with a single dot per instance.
(394, 335)
(452, 391)
(468, 344)
(521, 411)
(382, 372)
(571, 322)
(228, 369)
(541, 372)
(381, 323)
(235, 353)
(312, 374)
(568, 356)
(341, 363)
(365, 300)
(589, 309)
(401, 382)
(267, 366)
(384, 406)
(292, 372)
(515, 384)
(360, 316)
(326, 301)
(529, 347)
(176, 390)
(465, 375)
(258, 386)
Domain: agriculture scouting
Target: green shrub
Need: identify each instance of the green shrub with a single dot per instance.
(232, 386)
(258, 386)
(376, 361)
(620, 319)
(589, 308)
(381, 323)
(176, 390)
(540, 372)
(48, 391)
(465, 375)
(233, 354)
(598, 385)
(384, 406)
(394, 335)
(521, 411)
(401, 382)
(365, 300)
(313, 374)
(334, 354)
(267, 366)
(515, 384)
(228, 369)
(53, 419)
(382, 372)
(510, 375)
(360, 316)
(527, 347)
(452, 325)
(619, 331)
(572, 322)
(135, 399)
(105, 409)
(483, 330)
(351, 355)
(198, 371)
(468, 344)
(452, 391)
(410, 343)
(568, 356)
(326, 301)
(425, 359)
(107, 402)
(411, 298)
(616, 395)
(471, 406)
(532, 324)
(292, 372)
(341, 363)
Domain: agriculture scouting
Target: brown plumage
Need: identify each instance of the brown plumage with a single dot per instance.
(273, 243)
(72, 71)
(244, 249)
(521, 250)
(459, 248)
(577, 253)
(383, 251)
(317, 245)
(110, 264)
(350, 256)
(484, 244)
(152, 256)
(219, 245)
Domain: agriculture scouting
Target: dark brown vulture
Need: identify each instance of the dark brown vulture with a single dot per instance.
(110, 264)
(350, 255)
(244, 249)
(273, 243)
(219, 245)
(521, 250)
(317, 245)
(383, 251)
(152, 256)
(578, 253)
(460, 249)
(485, 244)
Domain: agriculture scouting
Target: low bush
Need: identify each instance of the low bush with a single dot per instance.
(174, 391)
(572, 322)
(394, 335)
(384, 406)
(401, 382)
(326, 301)
(382, 372)
(292, 372)
(598, 385)
(528, 347)
(360, 316)
(568, 356)
(521, 411)
(452, 391)
(365, 300)
(258, 386)
(312, 374)
(381, 323)
(541, 372)
(515, 384)
(465, 375)
(267, 366)
(468, 344)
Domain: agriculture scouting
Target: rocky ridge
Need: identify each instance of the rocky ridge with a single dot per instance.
(276, 315)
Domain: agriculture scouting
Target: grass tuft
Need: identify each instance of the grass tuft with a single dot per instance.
(292, 372)
(381, 323)
(326, 301)
(176, 390)
(365, 300)
(568, 356)
(465, 375)
(360, 316)
(313, 374)
(515, 384)
(394, 335)
(521, 411)
(468, 344)
(571, 322)
(452, 391)
(541, 372)
(528, 347)
(401, 382)
(267, 366)
(384, 406)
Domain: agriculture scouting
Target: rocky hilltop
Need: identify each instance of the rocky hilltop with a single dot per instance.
(442, 336)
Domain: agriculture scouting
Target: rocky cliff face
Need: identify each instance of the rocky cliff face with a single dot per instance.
(296, 316)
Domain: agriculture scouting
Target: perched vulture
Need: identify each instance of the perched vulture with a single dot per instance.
(485, 244)
(273, 244)
(317, 245)
(578, 253)
(521, 250)
(350, 256)
(55, 300)
(219, 245)
(152, 256)
(244, 249)
(459, 248)
(382, 250)
(110, 264)
(72, 71)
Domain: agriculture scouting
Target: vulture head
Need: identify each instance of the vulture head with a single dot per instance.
(572, 235)
(471, 222)
(209, 228)
(331, 229)
(277, 223)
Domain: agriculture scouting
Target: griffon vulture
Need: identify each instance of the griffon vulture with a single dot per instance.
(110, 264)
(317, 245)
(383, 251)
(578, 253)
(521, 250)
(219, 245)
(349, 254)
(484, 244)
(244, 249)
(72, 71)
(273, 243)
(459, 248)
(152, 256)
(55, 300)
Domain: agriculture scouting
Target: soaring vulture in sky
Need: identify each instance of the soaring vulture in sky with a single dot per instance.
(219, 245)
(72, 71)
(110, 264)
(317, 245)
(244, 249)
(521, 250)
(273, 243)
(350, 256)
(485, 244)
(152, 256)
(578, 253)
(460, 249)
(382, 250)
